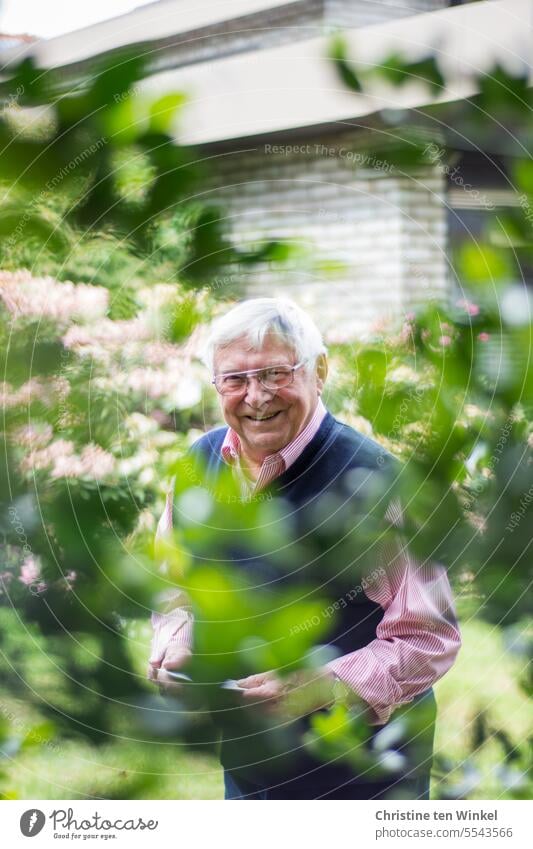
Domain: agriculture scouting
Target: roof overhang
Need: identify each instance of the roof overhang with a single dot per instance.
(296, 86)
(286, 90)
(145, 24)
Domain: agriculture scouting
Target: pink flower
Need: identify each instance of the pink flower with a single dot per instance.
(106, 335)
(54, 453)
(67, 467)
(483, 337)
(33, 436)
(471, 309)
(59, 456)
(445, 341)
(70, 578)
(30, 571)
(33, 390)
(96, 463)
(43, 297)
(406, 333)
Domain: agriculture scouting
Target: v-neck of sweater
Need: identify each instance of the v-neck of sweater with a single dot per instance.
(312, 451)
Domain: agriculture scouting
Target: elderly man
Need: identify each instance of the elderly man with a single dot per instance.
(395, 638)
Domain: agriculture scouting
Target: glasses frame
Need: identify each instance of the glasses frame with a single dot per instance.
(257, 371)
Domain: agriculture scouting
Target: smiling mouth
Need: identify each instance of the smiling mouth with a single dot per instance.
(264, 418)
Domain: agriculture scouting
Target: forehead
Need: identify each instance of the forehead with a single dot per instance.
(239, 355)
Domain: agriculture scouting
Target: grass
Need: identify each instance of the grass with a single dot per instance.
(117, 770)
(482, 679)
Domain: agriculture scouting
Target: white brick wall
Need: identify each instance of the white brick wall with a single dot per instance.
(388, 229)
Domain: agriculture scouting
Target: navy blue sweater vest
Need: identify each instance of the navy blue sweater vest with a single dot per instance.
(322, 476)
(320, 471)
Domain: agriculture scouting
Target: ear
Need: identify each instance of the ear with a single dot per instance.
(321, 370)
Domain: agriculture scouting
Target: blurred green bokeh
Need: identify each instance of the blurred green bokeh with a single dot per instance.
(103, 393)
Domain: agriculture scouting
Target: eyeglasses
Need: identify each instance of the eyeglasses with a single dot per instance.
(272, 379)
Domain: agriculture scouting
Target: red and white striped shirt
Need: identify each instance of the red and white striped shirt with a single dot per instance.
(417, 639)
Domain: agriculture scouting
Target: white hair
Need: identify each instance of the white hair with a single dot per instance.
(257, 317)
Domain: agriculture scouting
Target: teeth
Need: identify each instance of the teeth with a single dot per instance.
(262, 418)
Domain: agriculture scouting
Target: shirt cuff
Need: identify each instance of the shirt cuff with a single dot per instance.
(361, 672)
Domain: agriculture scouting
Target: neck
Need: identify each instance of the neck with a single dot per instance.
(252, 460)
(251, 467)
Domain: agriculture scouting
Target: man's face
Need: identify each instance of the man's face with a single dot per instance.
(267, 420)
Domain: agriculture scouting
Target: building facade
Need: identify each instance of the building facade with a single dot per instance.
(294, 156)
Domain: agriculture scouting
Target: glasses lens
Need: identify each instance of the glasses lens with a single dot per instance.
(271, 379)
(276, 378)
(229, 384)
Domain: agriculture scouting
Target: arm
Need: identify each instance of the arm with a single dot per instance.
(172, 625)
(416, 641)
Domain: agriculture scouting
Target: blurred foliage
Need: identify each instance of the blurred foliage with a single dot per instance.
(451, 391)
(96, 189)
(101, 386)
(103, 394)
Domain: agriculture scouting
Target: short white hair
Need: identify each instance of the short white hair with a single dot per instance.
(255, 318)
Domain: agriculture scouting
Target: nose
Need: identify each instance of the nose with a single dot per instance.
(256, 394)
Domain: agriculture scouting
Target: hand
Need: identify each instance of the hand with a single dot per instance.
(266, 689)
(175, 658)
(299, 694)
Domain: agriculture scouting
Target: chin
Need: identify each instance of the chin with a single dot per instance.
(268, 441)
(274, 442)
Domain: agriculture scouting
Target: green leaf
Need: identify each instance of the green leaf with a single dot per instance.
(522, 172)
(483, 264)
(18, 224)
(337, 53)
(371, 365)
(163, 112)
(397, 70)
(427, 71)
(505, 94)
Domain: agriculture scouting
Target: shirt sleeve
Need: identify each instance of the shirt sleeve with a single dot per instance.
(174, 628)
(416, 641)
(173, 623)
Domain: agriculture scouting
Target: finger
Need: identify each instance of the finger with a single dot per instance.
(151, 673)
(176, 658)
(168, 685)
(251, 681)
(269, 691)
(256, 680)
